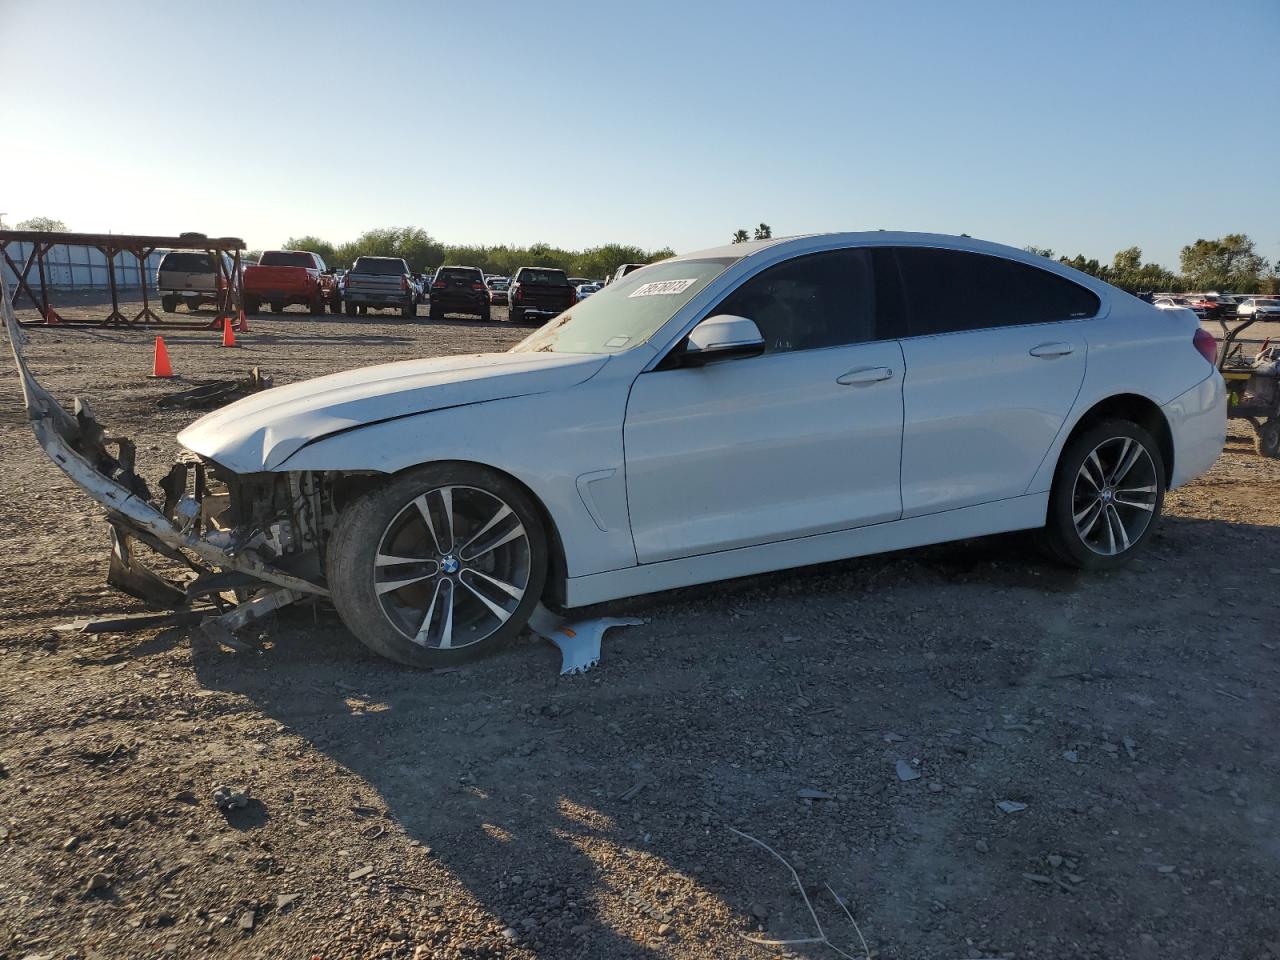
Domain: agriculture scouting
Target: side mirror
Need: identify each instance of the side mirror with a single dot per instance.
(723, 337)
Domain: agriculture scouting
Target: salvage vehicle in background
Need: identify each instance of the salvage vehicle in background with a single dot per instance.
(540, 293)
(284, 277)
(623, 270)
(190, 277)
(587, 289)
(750, 408)
(458, 290)
(498, 287)
(1259, 308)
(375, 283)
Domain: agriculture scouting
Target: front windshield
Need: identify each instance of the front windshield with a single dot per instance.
(626, 312)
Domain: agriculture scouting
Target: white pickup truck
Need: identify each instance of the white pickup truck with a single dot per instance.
(380, 283)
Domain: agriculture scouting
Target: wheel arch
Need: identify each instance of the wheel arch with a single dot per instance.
(557, 572)
(1135, 408)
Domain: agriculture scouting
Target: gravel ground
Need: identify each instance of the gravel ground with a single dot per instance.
(1126, 722)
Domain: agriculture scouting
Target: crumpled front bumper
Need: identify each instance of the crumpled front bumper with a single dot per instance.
(76, 445)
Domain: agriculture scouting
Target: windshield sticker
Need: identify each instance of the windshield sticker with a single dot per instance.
(617, 341)
(659, 288)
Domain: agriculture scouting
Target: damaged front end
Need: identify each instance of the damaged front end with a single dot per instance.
(244, 545)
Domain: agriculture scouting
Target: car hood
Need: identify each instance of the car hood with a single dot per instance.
(261, 431)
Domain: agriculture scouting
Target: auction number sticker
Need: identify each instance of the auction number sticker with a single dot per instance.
(661, 288)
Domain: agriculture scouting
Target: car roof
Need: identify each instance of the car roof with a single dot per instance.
(897, 238)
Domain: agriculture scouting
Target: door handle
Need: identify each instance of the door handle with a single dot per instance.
(1052, 350)
(864, 375)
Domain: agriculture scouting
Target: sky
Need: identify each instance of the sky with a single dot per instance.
(1085, 127)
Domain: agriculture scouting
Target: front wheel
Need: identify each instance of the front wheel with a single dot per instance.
(443, 564)
(1107, 494)
(1267, 441)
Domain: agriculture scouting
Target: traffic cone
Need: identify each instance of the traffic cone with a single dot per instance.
(244, 323)
(51, 317)
(228, 333)
(160, 365)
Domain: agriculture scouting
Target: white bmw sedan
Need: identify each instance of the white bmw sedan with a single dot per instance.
(750, 408)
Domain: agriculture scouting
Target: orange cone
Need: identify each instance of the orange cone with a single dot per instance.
(160, 365)
(51, 318)
(228, 333)
(244, 323)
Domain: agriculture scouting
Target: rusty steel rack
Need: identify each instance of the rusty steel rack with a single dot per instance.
(111, 245)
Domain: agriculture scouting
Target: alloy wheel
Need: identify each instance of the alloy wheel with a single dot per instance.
(1115, 496)
(452, 567)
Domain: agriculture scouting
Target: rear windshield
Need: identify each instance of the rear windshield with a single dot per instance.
(187, 262)
(379, 266)
(458, 273)
(498, 284)
(285, 258)
(546, 278)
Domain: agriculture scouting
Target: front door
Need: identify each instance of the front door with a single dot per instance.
(802, 440)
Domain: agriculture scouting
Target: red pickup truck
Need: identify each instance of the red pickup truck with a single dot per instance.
(282, 277)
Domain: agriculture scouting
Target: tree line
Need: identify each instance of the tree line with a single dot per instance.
(423, 252)
(1229, 264)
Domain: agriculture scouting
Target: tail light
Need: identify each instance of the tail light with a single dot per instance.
(438, 285)
(573, 296)
(404, 283)
(515, 292)
(1204, 342)
(477, 285)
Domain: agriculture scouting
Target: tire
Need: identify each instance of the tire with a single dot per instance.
(1267, 440)
(335, 306)
(351, 309)
(1114, 527)
(277, 306)
(169, 304)
(363, 311)
(317, 307)
(252, 306)
(515, 315)
(194, 303)
(387, 521)
(409, 310)
(487, 315)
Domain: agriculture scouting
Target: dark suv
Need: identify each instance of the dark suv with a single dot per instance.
(540, 292)
(458, 290)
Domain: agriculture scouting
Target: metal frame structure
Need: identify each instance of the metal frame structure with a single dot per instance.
(111, 245)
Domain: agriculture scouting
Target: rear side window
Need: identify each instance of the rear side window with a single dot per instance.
(379, 267)
(944, 291)
(546, 278)
(187, 262)
(286, 258)
(820, 300)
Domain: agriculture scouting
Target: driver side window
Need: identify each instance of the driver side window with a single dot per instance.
(810, 302)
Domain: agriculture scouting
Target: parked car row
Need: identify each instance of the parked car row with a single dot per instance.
(1221, 306)
(282, 278)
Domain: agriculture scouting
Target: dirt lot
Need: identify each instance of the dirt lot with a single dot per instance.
(502, 810)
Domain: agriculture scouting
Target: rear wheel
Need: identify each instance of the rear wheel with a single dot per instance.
(516, 315)
(409, 309)
(335, 305)
(351, 309)
(317, 307)
(170, 304)
(443, 564)
(1268, 439)
(193, 303)
(277, 306)
(1107, 495)
(251, 306)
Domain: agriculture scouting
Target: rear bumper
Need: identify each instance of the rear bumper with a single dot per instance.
(1198, 423)
(474, 304)
(363, 299)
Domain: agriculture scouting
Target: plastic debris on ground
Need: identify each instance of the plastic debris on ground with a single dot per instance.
(578, 640)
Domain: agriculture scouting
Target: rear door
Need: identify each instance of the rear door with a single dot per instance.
(995, 357)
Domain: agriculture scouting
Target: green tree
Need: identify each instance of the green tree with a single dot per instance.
(43, 224)
(1045, 252)
(763, 232)
(1228, 263)
(740, 236)
(328, 253)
